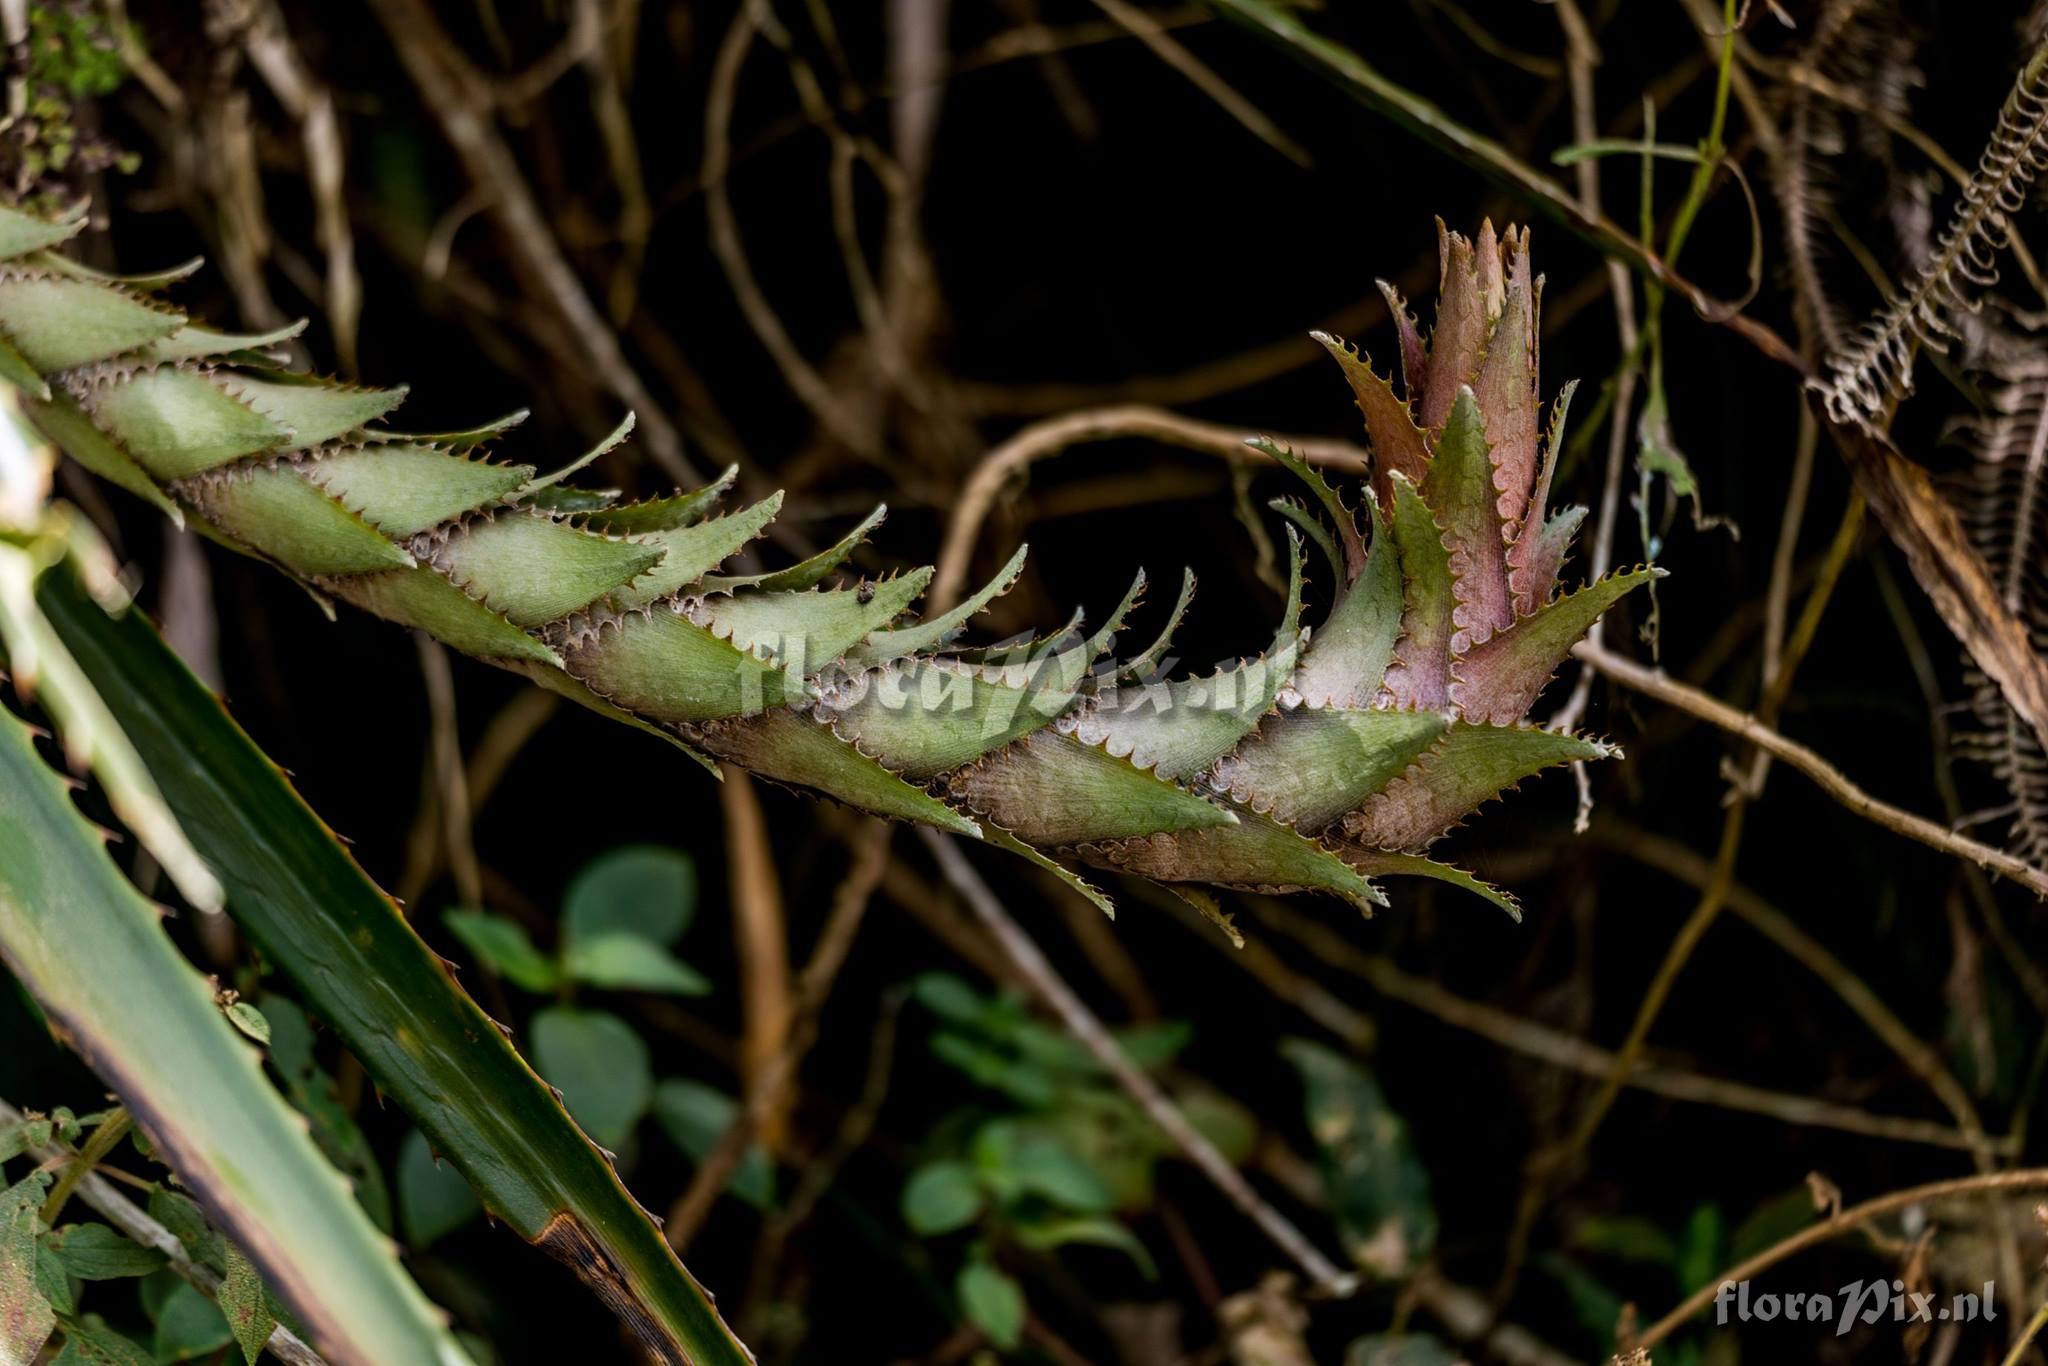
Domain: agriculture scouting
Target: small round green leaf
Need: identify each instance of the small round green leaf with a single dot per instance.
(189, 1325)
(601, 1066)
(992, 1302)
(502, 945)
(640, 889)
(433, 1199)
(941, 1197)
(250, 1021)
(627, 962)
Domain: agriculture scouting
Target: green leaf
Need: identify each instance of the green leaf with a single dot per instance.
(625, 962)
(433, 1199)
(642, 889)
(1178, 729)
(601, 1066)
(1345, 661)
(691, 551)
(1702, 1249)
(502, 945)
(1421, 661)
(1051, 1234)
(275, 511)
(91, 950)
(1307, 768)
(1460, 491)
(1103, 797)
(666, 513)
(250, 1021)
(59, 324)
(802, 632)
(668, 668)
(1472, 764)
(1256, 852)
(882, 646)
(941, 1197)
(22, 233)
(65, 423)
(313, 410)
(809, 572)
(190, 1325)
(403, 489)
(245, 1306)
(422, 598)
(927, 717)
(57, 1285)
(177, 422)
(533, 569)
(89, 1342)
(695, 1117)
(95, 1252)
(1378, 1190)
(949, 998)
(358, 964)
(992, 1302)
(26, 1317)
(1499, 680)
(1380, 863)
(187, 1223)
(785, 747)
(1018, 1159)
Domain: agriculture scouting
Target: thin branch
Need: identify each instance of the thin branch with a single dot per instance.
(2033, 1178)
(1168, 49)
(1053, 435)
(451, 784)
(1519, 1034)
(802, 377)
(769, 1090)
(1092, 1035)
(1656, 683)
(98, 1192)
(460, 101)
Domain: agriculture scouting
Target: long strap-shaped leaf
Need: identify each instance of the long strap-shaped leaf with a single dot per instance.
(90, 948)
(316, 915)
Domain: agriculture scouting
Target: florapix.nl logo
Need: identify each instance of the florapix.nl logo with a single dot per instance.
(1866, 1302)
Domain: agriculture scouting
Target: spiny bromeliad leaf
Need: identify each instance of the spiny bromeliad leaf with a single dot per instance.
(1333, 756)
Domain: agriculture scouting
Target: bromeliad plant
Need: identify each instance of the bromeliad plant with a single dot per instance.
(1318, 766)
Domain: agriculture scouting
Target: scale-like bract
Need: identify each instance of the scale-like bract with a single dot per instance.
(1327, 761)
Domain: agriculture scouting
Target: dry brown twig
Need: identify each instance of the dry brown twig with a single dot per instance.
(1519, 1034)
(2034, 1178)
(1656, 683)
(462, 102)
(770, 1085)
(1053, 435)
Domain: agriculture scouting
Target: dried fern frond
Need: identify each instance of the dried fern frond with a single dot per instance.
(2003, 497)
(1859, 45)
(1320, 765)
(1871, 372)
